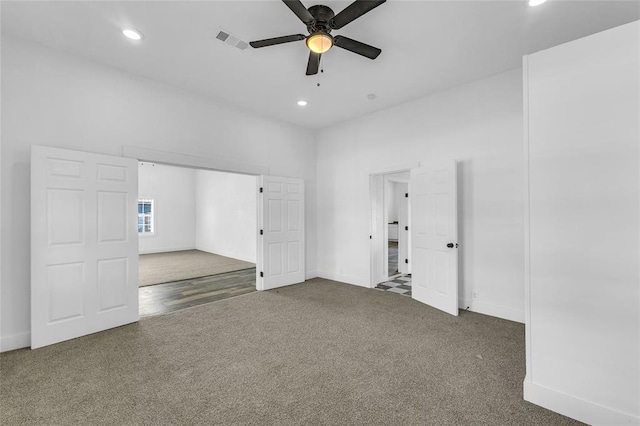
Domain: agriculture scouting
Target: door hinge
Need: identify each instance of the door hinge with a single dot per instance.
(406, 228)
(261, 189)
(261, 232)
(406, 195)
(261, 274)
(406, 261)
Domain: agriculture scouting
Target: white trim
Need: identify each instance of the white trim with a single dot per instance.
(527, 219)
(576, 408)
(259, 226)
(491, 310)
(395, 169)
(177, 159)
(397, 179)
(15, 341)
(372, 230)
(385, 229)
(376, 250)
(311, 275)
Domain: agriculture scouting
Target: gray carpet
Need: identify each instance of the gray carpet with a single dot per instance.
(158, 268)
(315, 353)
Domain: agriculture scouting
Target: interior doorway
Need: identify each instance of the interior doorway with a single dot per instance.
(396, 205)
(432, 252)
(391, 239)
(196, 234)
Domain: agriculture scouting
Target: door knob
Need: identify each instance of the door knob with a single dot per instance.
(451, 245)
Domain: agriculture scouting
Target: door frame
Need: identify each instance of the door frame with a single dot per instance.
(378, 233)
(206, 163)
(404, 225)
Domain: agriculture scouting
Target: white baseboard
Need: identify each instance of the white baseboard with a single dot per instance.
(15, 341)
(310, 275)
(224, 253)
(165, 250)
(576, 408)
(347, 279)
(492, 310)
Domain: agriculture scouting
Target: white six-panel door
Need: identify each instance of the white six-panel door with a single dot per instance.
(434, 235)
(281, 259)
(84, 244)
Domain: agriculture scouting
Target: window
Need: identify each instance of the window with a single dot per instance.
(145, 217)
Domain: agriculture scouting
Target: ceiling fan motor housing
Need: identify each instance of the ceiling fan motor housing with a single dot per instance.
(323, 15)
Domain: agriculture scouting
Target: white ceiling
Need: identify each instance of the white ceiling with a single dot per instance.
(427, 46)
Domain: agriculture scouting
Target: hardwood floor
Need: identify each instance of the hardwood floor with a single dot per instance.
(168, 297)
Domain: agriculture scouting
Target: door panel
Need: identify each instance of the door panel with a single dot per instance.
(281, 248)
(433, 226)
(64, 284)
(65, 209)
(112, 283)
(293, 261)
(112, 216)
(84, 262)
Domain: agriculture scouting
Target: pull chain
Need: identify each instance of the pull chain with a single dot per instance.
(321, 69)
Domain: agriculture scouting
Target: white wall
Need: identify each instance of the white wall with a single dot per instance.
(583, 324)
(51, 98)
(173, 190)
(202, 209)
(226, 206)
(480, 125)
(391, 200)
(399, 189)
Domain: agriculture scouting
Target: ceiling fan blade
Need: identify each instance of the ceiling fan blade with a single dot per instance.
(301, 12)
(356, 47)
(314, 63)
(354, 11)
(276, 40)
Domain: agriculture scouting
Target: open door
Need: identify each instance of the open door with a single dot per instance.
(434, 235)
(84, 244)
(281, 249)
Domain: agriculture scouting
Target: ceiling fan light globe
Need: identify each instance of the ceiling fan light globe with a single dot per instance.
(319, 42)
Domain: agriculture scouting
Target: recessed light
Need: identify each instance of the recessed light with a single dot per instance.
(536, 2)
(132, 34)
(302, 103)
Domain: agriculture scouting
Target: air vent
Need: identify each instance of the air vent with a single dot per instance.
(231, 40)
(222, 36)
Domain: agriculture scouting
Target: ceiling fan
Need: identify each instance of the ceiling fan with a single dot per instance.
(320, 21)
